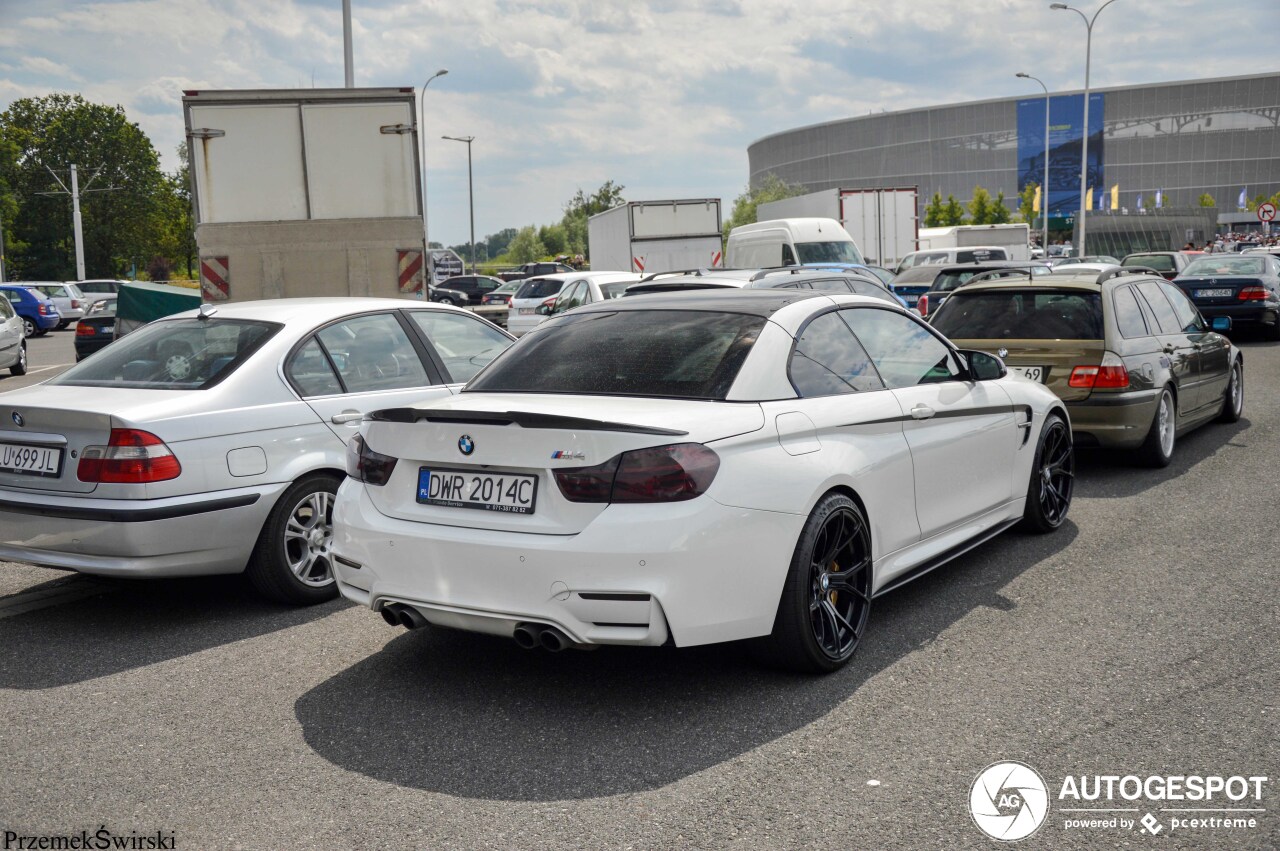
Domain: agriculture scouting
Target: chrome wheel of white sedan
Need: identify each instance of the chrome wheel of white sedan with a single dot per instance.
(292, 563)
(691, 468)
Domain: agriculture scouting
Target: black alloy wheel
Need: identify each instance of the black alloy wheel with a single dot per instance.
(826, 599)
(1053, 476)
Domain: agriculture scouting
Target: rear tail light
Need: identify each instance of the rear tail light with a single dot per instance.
(365, 465)
(131, 456)
(922, 305)
(1253, 294)
(75, 304)
(83, 330)
(1109, 374)
(550, 301)
(672, 473)
(45, 309)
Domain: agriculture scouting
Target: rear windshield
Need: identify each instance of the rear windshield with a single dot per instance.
(173, 354)
(948, 281)
(615, 290)
(54, 290)
(676, 354)
(977, 255)
(916, 275)
(539, 288)
(828, 252)
(1021, 315)
(1159, 262)
(1225, 265)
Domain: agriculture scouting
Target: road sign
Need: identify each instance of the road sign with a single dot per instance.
(1267, 212)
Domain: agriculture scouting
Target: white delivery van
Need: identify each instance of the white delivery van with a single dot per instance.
(951, 256)
(788, 242)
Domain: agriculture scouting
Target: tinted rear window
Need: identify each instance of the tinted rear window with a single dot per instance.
(175, 354)
(678, 354)
(916, 275)
(948, 281)
(980, 254)
(539, 288)
(1225, 265)
(1021, 315)
(1159, 262)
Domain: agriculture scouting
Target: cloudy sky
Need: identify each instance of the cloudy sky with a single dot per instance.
(662, 96)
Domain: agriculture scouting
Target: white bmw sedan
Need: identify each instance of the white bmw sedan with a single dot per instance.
(697, 468)
(213, 441)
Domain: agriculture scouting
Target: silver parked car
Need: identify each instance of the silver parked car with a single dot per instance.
(68, 298)
(13, 342)
(213, 441)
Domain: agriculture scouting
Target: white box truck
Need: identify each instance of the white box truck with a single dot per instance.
(883, 222)
(656, 236)
(305, 192)
(1014, 238)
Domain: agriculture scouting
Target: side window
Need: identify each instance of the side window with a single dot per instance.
(569, 298)
(464, 343)
(311, 373)
(487, 284)
(904, 351)
(1165, 317)
(14, 296)
(788, 258)
(828, 360)
(6, 309)
(374, 353)
(831, 285)
(1129, 314)
(1188, 317)
(794, 285)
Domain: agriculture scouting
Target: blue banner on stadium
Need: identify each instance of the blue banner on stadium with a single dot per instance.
(1066, 130)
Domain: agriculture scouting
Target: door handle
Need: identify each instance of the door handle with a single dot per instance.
(346, 417)
(922, 411)
(1197, 346)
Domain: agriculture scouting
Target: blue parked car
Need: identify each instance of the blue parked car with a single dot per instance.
(38, 312)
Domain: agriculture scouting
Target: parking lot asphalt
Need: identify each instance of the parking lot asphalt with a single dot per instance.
(1141, 639)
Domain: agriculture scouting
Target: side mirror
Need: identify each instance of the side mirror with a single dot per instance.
(544, 309)
(984, 366)
(1222, 324)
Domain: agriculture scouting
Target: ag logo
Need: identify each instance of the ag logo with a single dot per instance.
(466, 445)
(1008, 801)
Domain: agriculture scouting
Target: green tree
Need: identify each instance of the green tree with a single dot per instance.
(952, 213)
(581, 207)
(554, 238)
(526, 247)
(121, 226)
(980, 206)
(998, 212)
(496, 243)
(1026, 202)
(1206, 200)
(771, 188)
(933, 211)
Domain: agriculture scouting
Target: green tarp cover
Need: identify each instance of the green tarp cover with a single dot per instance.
(140, 301)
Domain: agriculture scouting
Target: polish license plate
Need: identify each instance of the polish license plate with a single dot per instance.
(30, 460)
(526, 311)
(1031, 373)
(108, 329)
(507, 493)
(1212, 293)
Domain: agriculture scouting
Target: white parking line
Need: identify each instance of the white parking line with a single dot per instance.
(47, 368)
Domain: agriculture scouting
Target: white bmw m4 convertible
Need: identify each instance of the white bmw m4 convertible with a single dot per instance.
(697, 468)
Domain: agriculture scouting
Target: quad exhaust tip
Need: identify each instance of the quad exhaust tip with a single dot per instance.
(398, 614)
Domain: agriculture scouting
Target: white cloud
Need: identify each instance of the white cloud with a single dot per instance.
(663, 96)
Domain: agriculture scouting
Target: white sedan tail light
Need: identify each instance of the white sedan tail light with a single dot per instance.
(131, 456)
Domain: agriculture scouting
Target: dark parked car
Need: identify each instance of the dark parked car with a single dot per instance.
(97, 329)
(455, 297)
(39, 313)
(1168, 263)
(1132, 358)
(1245, 287)
(954, 276)
(475, 287)
(529, 270)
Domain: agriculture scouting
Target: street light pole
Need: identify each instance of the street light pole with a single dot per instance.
(1044, 188)
(471, 198)
(1084, 148)
(348, 66)
(428, 268)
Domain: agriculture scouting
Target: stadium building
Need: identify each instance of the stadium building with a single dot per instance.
(1160, 145)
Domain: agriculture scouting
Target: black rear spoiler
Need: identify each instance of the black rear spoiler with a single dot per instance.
(523, 419)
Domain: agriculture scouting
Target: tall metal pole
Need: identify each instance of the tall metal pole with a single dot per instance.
(1044, 187)
(1084, 148)
(75, 217)
(428, 268)
(470, 195)
(2, 277)
(348, 65)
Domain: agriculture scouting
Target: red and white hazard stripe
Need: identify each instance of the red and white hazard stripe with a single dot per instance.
(215, 278)
(638, 262)
(409, 261)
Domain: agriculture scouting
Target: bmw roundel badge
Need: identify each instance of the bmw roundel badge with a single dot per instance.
(17, 419)
(1004, 353)
(466, 445)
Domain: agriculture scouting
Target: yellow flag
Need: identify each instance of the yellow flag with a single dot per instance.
(1088, 199)
(1035, 202)
(1115, 197)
